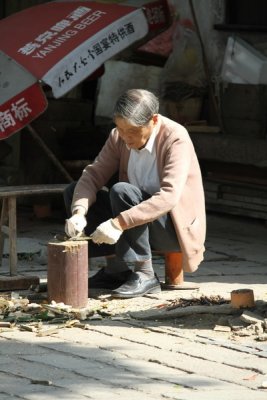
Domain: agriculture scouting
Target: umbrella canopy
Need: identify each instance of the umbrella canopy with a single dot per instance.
(60, 44)
(21, 97)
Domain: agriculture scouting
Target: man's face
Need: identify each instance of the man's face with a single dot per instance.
(135, 137)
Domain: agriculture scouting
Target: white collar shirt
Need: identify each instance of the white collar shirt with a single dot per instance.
(142, 167)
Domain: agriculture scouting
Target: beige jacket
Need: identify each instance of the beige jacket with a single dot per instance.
(181, 191)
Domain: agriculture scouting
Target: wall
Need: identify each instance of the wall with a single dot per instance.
(118, 78)
(209, 13)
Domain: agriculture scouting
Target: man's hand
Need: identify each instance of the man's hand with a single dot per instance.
(75, 225)
(107, 232)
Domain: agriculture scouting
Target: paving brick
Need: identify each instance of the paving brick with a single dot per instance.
(181, 359)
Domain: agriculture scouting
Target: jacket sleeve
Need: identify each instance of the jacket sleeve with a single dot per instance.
(97, 174)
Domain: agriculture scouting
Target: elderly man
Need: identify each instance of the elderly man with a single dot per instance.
(157, 204)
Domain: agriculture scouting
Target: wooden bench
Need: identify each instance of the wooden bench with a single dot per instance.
(8, 220)
(174, 278)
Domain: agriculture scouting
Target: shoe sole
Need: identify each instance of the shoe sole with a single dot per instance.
(156, 289)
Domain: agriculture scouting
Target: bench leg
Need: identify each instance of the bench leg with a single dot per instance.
(12, 216)
(3, 221)
(8, 228)
(174, 274)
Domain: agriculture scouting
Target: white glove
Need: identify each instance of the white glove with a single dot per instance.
(75, 225)
(106, 232)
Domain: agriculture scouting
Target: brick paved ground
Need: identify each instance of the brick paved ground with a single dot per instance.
(119, 356)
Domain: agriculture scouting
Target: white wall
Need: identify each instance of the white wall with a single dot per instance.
(121, 76)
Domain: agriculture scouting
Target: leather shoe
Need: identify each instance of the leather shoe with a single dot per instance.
(137, 286)
(103, 280)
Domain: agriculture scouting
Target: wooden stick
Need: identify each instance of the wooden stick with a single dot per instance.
(12, 217)
(50, 154)
(206, 66)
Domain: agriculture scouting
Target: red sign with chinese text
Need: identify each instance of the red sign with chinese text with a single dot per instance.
(158, 15)
(21, 110)
(54, 30)
(62, 43)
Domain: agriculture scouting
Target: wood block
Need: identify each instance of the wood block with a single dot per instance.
(67, 272)
(18, 282)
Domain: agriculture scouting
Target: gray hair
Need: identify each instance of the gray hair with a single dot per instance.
(137, 106)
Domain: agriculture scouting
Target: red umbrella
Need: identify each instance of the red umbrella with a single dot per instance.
(21, 97)
(60, 44)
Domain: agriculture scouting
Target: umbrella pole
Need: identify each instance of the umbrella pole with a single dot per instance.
(49, 153)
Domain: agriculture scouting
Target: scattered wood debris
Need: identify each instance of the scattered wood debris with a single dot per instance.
(236, 323)
(41, 382)
(222, 328)
(17, 312)
(239, 322)
(251, 317)
(201, 301)
(188, 306)
(251, 324)
(45, 319)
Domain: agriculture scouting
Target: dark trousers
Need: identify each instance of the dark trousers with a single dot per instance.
(135, 244)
